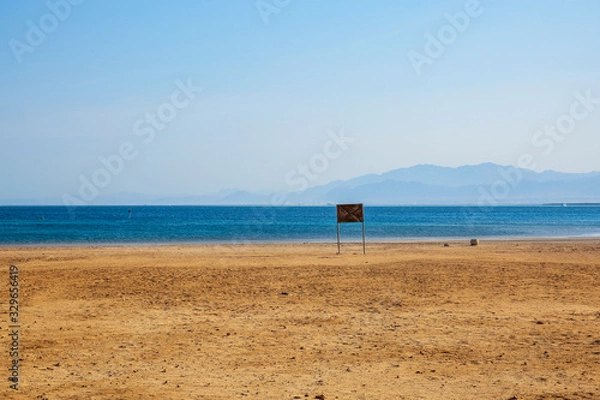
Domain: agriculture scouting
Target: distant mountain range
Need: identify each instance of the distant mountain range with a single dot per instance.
(483, 184)
(487, 184)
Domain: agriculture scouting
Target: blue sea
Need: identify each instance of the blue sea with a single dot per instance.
(229, 224)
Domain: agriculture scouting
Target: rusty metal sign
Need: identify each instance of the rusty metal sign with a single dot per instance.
(350, 213)
(347, 213)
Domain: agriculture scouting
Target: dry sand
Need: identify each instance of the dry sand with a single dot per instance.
(502, 320)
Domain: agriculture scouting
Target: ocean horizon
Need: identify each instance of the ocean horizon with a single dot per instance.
(153, 225)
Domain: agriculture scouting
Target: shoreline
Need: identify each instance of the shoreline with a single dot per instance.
(490, 240)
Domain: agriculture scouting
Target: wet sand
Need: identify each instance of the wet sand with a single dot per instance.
(502, 320)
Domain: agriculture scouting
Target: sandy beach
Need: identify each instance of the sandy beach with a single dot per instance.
(502, 320)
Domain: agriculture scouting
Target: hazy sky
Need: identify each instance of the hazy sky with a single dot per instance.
(107, 92)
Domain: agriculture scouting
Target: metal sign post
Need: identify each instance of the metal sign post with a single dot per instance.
(347, 213)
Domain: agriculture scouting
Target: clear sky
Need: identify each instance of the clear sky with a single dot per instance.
(343, 87)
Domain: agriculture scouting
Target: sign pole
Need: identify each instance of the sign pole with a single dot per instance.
(338, 238)
(364, 242)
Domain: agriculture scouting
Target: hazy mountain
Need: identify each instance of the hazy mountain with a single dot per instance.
(486, 184)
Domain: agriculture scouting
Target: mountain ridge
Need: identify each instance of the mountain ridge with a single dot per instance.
(422, 184)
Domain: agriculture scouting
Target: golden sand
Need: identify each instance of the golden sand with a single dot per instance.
(502, 320)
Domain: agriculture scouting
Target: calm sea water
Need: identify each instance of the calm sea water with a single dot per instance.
(205, 224)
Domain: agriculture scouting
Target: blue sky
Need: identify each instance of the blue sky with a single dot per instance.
(276, 86)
